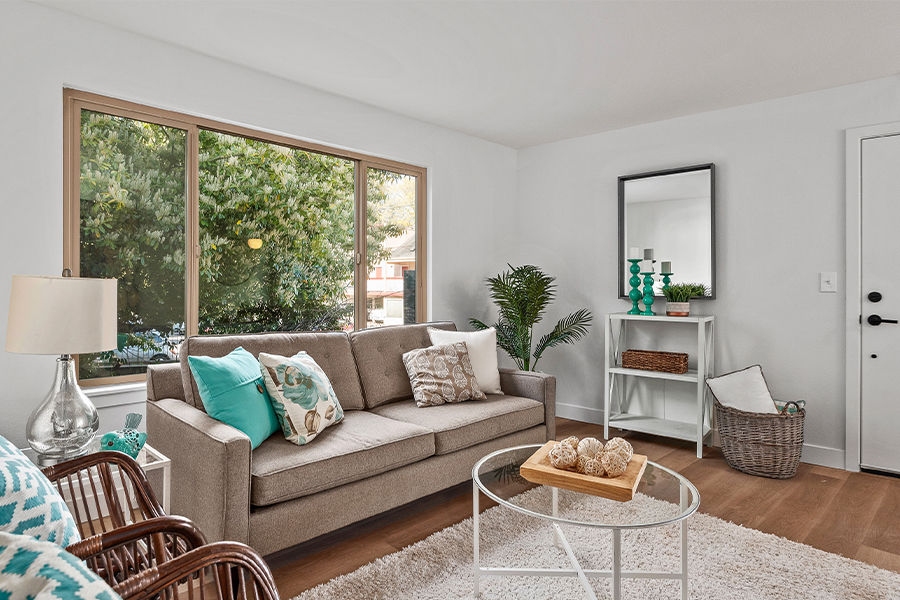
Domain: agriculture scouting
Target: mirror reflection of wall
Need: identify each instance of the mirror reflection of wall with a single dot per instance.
(671, 212)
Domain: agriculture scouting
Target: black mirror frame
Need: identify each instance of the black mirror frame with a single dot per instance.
(623, 294)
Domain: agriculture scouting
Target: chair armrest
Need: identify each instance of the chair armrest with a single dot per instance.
(537, 386)
(210, 468)
(121, 553)
(239, 573)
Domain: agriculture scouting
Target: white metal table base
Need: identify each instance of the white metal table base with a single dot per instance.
(583, 575)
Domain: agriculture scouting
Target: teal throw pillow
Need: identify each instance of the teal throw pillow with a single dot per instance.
(29, 503)
(232, 391)
(30, 568)
(301, 394)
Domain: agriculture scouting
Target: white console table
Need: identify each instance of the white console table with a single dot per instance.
(615, 377)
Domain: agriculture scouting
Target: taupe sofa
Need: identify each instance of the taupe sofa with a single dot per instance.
(386, 451)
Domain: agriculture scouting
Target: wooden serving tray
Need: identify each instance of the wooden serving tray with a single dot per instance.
(538, 469)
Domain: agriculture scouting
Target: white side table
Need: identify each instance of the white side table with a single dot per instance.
(149, 458)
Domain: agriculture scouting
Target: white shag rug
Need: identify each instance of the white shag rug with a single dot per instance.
(726, 561)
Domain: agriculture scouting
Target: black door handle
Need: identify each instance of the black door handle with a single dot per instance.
(877, 320)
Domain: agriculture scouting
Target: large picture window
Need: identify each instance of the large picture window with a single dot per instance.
(212, 228)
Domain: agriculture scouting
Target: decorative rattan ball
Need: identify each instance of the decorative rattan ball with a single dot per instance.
(572, 441)
(620, 446)
(581, 462)
(614, 463)
(589, 447)
(594, 467)
(562, 456)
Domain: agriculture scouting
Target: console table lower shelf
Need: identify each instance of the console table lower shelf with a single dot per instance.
(656, 426)
(491, 476)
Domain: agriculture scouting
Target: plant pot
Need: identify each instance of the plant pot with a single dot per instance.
(678, 309)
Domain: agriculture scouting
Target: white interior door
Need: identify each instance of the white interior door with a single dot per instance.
(880, 333)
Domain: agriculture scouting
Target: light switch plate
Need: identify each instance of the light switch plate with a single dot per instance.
(828, 281)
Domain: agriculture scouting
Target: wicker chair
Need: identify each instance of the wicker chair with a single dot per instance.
(134, 546)
(105, 490)
(218, 571)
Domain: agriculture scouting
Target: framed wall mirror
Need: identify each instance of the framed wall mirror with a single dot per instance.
(672, 212)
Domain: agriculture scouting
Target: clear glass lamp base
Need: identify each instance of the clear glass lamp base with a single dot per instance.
(65, 423)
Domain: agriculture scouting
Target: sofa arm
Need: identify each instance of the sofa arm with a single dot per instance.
(164, 381)
(537, 386)
(210, 468)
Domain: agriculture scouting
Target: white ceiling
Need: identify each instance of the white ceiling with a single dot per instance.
(522, 73)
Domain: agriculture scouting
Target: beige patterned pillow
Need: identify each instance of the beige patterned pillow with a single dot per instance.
(440, 374)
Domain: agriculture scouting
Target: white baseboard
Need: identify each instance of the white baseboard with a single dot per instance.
(579, 413)
(814, 455)
(823, 456)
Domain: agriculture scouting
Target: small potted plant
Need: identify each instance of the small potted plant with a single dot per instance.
(678, 298)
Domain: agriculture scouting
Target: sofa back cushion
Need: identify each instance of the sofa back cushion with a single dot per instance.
(379, 358)
(331, 350)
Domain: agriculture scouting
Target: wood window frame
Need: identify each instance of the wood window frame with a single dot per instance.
(74, 101)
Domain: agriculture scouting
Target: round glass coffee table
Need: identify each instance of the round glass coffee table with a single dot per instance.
(497, 475)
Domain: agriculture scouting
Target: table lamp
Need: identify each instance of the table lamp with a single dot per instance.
(65, 316)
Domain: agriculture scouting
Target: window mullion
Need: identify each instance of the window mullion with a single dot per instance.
(361, 275)
(421, 248)
(192, 233)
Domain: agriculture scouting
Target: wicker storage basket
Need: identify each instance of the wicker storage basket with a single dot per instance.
(651, 360)
(767, 445)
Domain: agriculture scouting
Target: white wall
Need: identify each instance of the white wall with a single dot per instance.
(779, 222)
(471, 182)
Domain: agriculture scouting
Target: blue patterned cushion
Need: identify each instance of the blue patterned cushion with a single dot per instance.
(301, 394)
(30, 568)
(29, 504)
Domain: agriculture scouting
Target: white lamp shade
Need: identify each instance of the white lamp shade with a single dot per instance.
(61, 315)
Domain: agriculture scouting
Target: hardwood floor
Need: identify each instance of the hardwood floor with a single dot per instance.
(856, 515)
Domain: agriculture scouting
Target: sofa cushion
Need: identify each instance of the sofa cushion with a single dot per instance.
(440, 374)
(301, 394)
(331, 350)
(231, 389)
(362, 445)
(458, 426)
(482, 347)
(379, 358)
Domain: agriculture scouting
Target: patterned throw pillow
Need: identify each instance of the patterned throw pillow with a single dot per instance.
(440, 374)
(301, 395)
(30, 568)
(29, 503)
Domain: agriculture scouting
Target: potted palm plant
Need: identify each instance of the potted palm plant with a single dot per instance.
(522, 296)
(678, 297)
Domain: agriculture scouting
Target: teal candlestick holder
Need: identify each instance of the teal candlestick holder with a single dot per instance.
(635, 281)
(648, 294)
(666, 281)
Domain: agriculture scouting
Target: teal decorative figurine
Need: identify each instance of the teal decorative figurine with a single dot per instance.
(127, 440)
